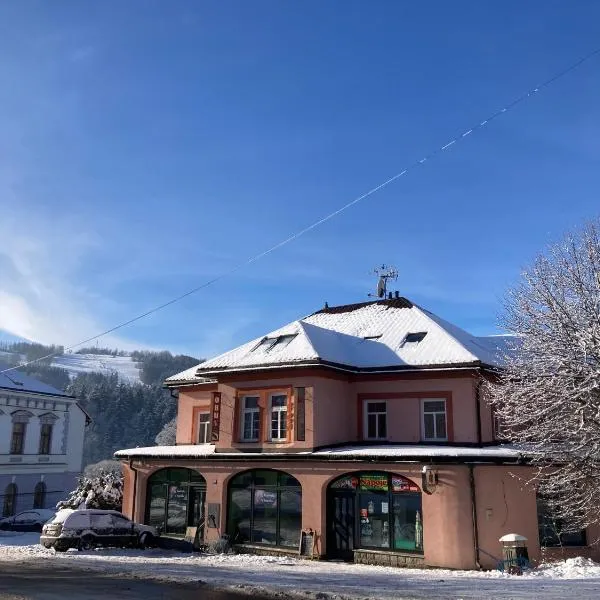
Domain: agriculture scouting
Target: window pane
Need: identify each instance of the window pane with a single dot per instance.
(264, 478)
(156, 505)
(407, 525)
(290, 518)
(428, 424)
(264, 529)
(278, 401)
(371, 426)
(440, 425)
(434, 406)
(251, 402)
(375, 407)
(204, 417)
(382, 426)
(374, 520)
(240, 511)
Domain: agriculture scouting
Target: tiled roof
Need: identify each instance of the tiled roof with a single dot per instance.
(15, 380)
(367, 336)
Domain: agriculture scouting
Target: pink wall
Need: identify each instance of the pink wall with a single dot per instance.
(188, 401)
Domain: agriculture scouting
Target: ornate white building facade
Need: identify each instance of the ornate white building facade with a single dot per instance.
(41, 443)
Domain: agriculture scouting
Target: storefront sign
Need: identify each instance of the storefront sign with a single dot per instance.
(374, 482)
(345, 483)
(402, 484)
(265, 498)
(215, 421)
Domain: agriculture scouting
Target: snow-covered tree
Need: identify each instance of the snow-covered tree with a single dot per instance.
(548, 397)
(104, 490)
(102, 468)
(166, 436)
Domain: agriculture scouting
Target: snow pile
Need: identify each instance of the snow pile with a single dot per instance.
(22, 546)
(571, 568)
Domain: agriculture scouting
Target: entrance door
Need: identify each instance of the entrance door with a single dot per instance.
(340, 536)
(196, 511)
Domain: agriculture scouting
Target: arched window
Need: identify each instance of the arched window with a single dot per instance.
(39, 495)
(175, 500)
(10, 500)
(265, 507)
(376, 510)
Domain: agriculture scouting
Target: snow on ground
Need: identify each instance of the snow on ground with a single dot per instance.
(318, 580)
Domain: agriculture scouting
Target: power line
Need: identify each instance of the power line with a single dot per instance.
(331, 215)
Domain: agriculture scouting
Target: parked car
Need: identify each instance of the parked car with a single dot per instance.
(86, 529)
(28, 520)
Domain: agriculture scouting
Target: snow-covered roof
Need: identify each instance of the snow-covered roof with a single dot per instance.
(400, 452)
(15, 380)
(385, 334)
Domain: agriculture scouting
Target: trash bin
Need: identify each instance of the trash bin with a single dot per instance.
(515, 557)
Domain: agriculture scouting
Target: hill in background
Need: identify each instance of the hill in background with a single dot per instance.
(122, 392)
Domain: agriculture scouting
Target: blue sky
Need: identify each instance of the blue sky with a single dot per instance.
(149, 146)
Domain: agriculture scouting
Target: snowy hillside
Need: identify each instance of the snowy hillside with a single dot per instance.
(124, 366)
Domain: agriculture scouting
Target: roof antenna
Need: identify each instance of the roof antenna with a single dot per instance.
(384, 273)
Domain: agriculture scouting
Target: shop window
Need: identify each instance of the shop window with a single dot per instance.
(39, 495)
(265, 507)
(375, 426)
(203, 428)
(434, 420)
(175, 500)
(9, 507)
(250, 418)
(379, 511)
(553, 532)
(279, 418)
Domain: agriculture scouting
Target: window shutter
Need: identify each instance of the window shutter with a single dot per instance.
(237, 415)
(262, 433)
(291, 405)
(300, 413)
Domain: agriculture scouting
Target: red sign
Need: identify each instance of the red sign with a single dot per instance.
(215, 421)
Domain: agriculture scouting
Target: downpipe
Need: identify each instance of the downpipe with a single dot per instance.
(474, 517)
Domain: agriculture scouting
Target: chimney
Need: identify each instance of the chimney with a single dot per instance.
(397, 294)
(390, 296)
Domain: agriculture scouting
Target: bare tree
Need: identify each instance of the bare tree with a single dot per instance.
(549, 394)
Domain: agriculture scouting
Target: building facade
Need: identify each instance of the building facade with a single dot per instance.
(41, 443)
(363, 426)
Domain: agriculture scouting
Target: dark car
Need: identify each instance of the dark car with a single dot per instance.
(88, 528)
(28, 520)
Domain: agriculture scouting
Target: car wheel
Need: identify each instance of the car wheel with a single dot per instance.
(87, 542)
(146, 540)
(61, 547)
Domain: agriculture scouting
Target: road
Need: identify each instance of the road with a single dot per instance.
(39, 582)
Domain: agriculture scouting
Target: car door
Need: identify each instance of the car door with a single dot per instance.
(124, 530)
(102, 526)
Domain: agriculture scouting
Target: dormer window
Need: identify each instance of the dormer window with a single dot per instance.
(280, 341)
(412, 339)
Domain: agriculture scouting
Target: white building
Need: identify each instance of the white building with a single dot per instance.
(41, 443)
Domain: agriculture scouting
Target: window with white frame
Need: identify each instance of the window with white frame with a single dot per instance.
(375, 420)
(203, 428)
(250, 418)
(434, 420)
(278, 417)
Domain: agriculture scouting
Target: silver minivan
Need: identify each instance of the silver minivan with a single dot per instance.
(88, 528)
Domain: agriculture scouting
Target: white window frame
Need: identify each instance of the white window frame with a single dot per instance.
(204, 427)
(434, 439)
(366, 419)
(245, 411)
(282, 416)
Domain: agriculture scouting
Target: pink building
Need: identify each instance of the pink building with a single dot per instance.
(363, 424)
